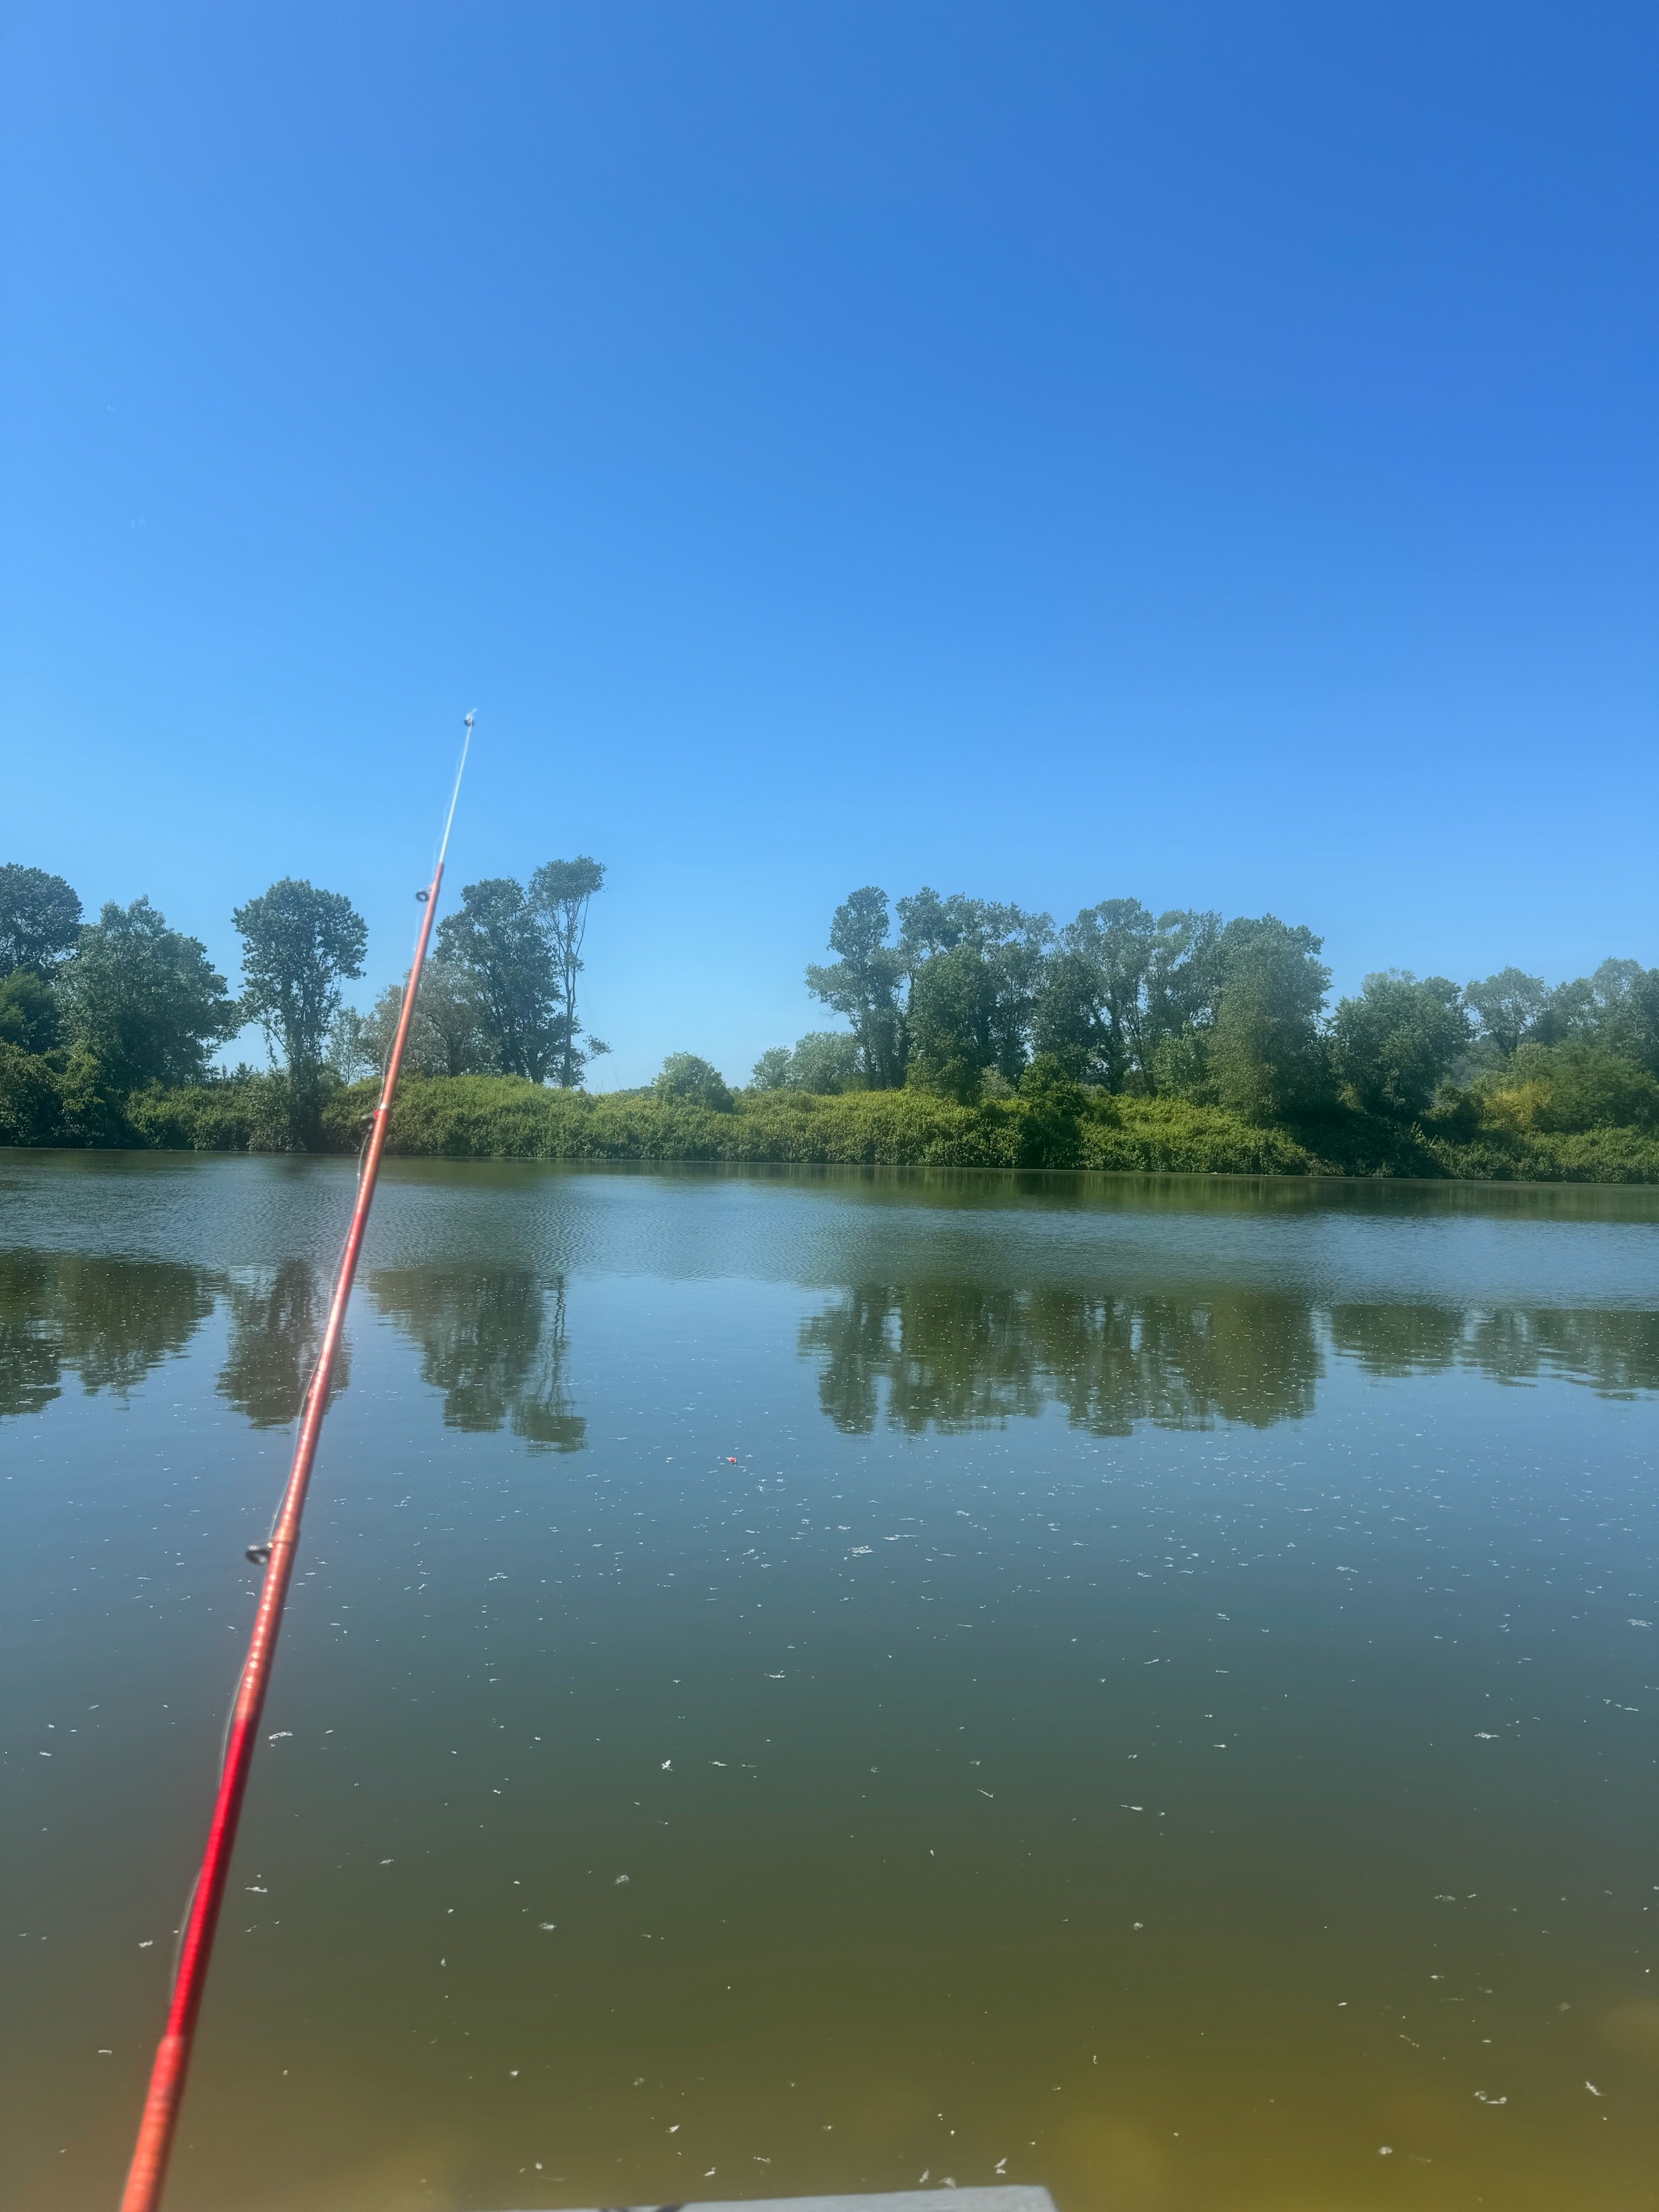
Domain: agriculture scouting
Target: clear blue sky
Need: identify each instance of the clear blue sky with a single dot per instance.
(1202, 452)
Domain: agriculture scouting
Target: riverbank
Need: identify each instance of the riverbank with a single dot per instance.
(503, 1117)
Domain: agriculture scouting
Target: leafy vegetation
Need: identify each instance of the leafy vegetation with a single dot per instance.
(106, 1029)
(519, 946)
(978, 1035)
(298, 943)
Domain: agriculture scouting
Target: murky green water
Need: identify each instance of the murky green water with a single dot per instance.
(822, 1682)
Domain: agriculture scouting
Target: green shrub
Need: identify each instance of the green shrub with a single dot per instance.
(1572, 1087)
(59, 1098)
(1050, 1122)
(240, 1113)
(31, 1103)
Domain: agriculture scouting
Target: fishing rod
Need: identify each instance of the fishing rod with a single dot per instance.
(161, 2117)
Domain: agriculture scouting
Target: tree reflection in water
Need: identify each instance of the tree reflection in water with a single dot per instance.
(493, 1340)
(276, 1325)
(1616, 1353)
(109, 1321)
(947, 1354)
(954, 1356)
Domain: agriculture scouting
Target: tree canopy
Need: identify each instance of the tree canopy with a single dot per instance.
(107, 1028)
(689, 1078)
(521, 946)
(561, 892)
(299, 945)
(1396, 1042)
(864, 984)
(825, 1062)
(145, 1000)
(40, 919)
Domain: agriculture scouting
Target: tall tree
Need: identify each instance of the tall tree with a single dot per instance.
(1121, 987)
(449, 1035)
(1013, 945)
(1506, 1006)
(561, 891)
(1118, 938)
(1264, 1051)
(1633, 1023)
(40, 919)
(864, 985)
(500, 936)
(1183, 982)
(144, 999)
(1616, 1007)
(299, 945)
(1068, 1026)
(30, 1017)
(1394, 1043)
(953, 1023)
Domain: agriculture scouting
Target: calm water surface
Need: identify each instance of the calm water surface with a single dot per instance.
(812, 1683)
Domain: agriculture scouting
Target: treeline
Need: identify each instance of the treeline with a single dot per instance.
(976, 1034)
(101, 1022)
(964, 999)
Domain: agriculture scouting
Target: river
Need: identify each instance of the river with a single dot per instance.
(824, 1680)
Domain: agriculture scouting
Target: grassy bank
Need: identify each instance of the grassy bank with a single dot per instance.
(502, 1118)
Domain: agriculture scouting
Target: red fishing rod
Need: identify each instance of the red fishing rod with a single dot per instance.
(160, 2119)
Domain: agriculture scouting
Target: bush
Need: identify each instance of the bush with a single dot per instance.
(825, 1061)
(31, 1104)
(246, 1112)
(1050, 1122)
(59, 1098)
(687, 1078)
(1572, 1087)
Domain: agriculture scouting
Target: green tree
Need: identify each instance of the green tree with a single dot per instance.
(952, 1023)
(1581, 1083)
(1634, 1027)
(771, 1071)
(1052, 1106)
(449, 1035)
(1506, 1007)
(688, 1080)
(1264, 1049)
(1624, 1018)
(1395, 1042)
(864, 985)
(31, 1098)
(40, 919)
(1068, 1027)
(500, 938)
(29, 1016)
(1012, 946)
(1121, 987)
(825, 1062)
(561, 891)
(1113, 943)
(298, 943)
(1183, 982)
(145, 1000)
(1617, 1007)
